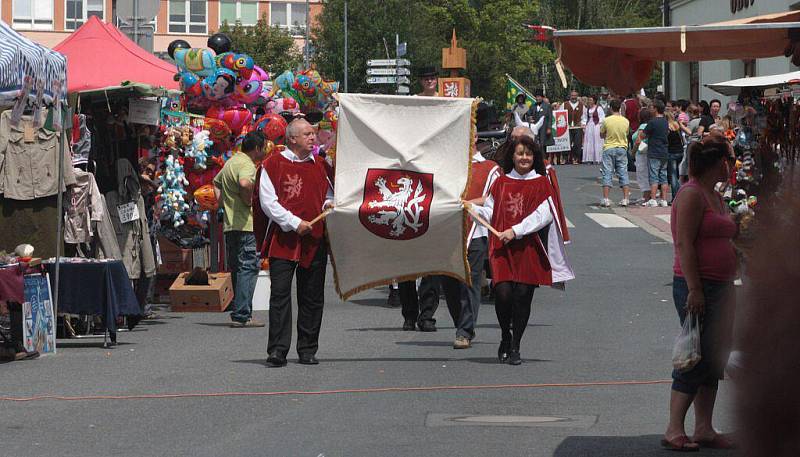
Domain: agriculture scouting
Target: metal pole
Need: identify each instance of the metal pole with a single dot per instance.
(345, 46)
(396, 56)
(136, 21)
(59, 212)
(307, 25)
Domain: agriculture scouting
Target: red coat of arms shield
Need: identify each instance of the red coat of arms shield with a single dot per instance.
(397, 203)
(561, 123)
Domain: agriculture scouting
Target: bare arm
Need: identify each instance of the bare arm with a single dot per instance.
(689, 209)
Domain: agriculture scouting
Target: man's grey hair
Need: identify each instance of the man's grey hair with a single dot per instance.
(294, 127)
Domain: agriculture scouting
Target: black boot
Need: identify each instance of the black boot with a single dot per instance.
(502, 351)
(514, 358)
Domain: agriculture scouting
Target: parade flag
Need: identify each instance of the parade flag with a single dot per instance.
(514, 88)
(560, 131)
(401, 168)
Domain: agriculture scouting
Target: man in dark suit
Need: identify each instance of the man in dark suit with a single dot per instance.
(542, 109)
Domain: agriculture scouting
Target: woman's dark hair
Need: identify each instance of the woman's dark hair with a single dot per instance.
(645, 114)
(529, 144)
(705, 155)
(706, 108)
(683, 104)
(252, 141)
(521, 98)
(593, 97)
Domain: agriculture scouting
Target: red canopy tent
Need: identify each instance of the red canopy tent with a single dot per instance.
(100, 56)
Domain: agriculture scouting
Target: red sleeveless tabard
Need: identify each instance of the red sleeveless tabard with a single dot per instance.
(521, 260)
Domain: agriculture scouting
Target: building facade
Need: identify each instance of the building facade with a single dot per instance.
(687, 79)
(48, 22)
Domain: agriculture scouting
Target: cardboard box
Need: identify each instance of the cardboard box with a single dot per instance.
(163, 283)
(175, 260)
(213, 298)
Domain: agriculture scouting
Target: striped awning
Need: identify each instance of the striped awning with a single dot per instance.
(21, 57)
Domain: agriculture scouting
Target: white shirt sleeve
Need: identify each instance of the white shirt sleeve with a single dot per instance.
(534, 221)
(328, 196)
(287, 221)
(487, 209)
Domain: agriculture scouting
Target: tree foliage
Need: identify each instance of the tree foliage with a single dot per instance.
(491, 30)
(272, 48)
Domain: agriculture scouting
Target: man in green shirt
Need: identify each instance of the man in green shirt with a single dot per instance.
(233, 187)
(615, 153)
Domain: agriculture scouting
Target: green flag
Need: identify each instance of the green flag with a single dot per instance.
(513, 88)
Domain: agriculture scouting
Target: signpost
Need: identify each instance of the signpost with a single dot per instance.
(136, 20)
(391, 71)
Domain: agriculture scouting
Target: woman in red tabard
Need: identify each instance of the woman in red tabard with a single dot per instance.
(530, 249)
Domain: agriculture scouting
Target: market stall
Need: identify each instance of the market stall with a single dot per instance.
(735, 86)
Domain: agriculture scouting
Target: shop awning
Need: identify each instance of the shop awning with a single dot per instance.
(99, 56)
(21, 57)
(623, 59)
(734, 86)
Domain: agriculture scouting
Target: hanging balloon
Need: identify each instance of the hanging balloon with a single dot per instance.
(242, 64)
(221, 84)
(235, 118)
(175, 45)
(219, 132)
(248, 89)
(196, 60)
(273, 126)
(283, 82)
(219, 42)
(281, 105)
(205, 198)
(262, 74)
(190, 83)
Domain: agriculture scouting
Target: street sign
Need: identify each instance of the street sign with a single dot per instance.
(382, 80)
(398, 71)
(402, 90)
(138, 9)
(401, 49)
(388, 62)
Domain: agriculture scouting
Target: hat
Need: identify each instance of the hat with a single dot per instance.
(538, 93)
(427, 71)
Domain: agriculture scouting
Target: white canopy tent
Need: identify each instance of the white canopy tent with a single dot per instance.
(734, 86)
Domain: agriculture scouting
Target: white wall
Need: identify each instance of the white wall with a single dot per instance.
(698, 12)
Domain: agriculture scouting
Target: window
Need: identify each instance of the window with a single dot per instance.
(749, 68)
(187, 16)
(32, 14)
(79, 11)
(243, 11)
(288, 15)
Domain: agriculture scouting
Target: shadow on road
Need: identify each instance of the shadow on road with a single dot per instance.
(483, 360)
(619, 446)
(438, 327)
(435, 343)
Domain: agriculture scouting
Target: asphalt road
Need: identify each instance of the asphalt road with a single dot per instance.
(380, 391)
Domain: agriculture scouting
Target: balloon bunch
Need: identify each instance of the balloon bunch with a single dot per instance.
(172, 192)
(307, 88)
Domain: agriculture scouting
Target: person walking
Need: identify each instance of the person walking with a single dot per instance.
(577, 122)
(657, 155)
(233, 187)
(615, 154)
(464, 301)
(592, 141)
(704, 269)
(297, 189)
(530, 249)
(675, 151)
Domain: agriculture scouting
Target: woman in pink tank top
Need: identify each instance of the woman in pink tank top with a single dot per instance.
(704, 269)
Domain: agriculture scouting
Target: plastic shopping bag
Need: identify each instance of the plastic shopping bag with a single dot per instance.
(686, 352)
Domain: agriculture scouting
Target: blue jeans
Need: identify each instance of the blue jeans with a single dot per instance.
(240, 248)
(716, 330)
(615, 161)
(657, 171)
(672, 173)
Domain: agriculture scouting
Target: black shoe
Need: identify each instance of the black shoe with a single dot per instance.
(514, 358)
(274, 360)
(502, 351)
(394, 298)
(307, 359)
(426, 326)
(409, 325)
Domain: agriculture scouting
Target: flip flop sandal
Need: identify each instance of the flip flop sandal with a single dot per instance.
(718, 442)
(679, 444)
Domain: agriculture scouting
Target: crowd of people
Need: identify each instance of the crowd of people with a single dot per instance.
(658, 133)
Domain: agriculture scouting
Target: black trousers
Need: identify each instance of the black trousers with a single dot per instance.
(420, 305)
(512, 304)
(576, 145)
(310, 301)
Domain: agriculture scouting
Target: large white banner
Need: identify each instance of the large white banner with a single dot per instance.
(402, 165)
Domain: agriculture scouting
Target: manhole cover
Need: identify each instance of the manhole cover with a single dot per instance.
(449, 420)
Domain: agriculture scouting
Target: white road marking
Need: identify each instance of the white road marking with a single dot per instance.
(607, 220)
(569, 223)
(664, 217)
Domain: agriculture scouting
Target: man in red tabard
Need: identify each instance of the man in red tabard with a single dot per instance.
(297, 190)
(463, 302)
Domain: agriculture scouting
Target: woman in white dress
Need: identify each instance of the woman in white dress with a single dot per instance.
(592, 141)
